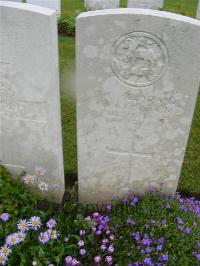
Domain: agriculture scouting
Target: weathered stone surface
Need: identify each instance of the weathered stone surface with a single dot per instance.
(101, 4)
(151, 4)
(30, 127)
(53, 4)
(198, 11)
(137, 83)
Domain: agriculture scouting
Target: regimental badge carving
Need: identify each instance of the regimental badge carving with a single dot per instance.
(139, 59)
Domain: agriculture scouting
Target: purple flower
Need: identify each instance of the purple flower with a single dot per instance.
(108, 207)
(125, 200)
(81, 243)
(51, 223)
(111, 249)
(68, 260)
(132, 203)
(197, 256)
(194, 224)
(43, 237)
(133, 223)
(99, 232)
(11, 239)
(20, 236)
(53, 234)
(108, 259)
(151, 189)
(180, 221)
(164, 257)
(88, 218)
(94, 229)
(148, 261)
(146, 241)
(159, 247)
(5, 250)
(147, 226)
(28, 179)
(23, 225)
(105, 241)
(97, 259)
(82, 233)
(103, 247)
(112, 237)
(75, 262)
(161, 240)
(148, 250)
(180, 228)
(4, 217)
(3, 259)
(40, 171)
(187, 230)
(82, 252)
(35, 222)
(95, 214)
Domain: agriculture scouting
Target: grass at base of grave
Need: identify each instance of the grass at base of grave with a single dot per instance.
(159, 223)
(189, 183)
(68, 106)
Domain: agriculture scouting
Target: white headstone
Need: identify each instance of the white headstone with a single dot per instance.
(13, 0)
(53, 4)
(101, 4)
(150, 4)
(198, 11)
(137, 83)
(30, 124)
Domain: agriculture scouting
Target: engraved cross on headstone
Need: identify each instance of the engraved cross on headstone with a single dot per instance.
(131, 154)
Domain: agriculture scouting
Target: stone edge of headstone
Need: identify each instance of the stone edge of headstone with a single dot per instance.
(28, 7)
(198, 11)
(48, 13)
(139, 11)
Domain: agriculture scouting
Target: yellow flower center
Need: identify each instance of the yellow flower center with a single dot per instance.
(4, 251)
(12, 240)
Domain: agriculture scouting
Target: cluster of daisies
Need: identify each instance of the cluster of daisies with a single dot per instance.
(23, 226)
(34, 179)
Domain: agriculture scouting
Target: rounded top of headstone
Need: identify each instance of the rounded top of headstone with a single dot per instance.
(139, 11)
(28, 7)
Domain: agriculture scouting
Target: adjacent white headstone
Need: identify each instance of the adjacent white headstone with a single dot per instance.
(53, 4)
(150, 4)
(198, 11)
(30, 124)
(13, 0)
(101, 4)
(137, 83)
